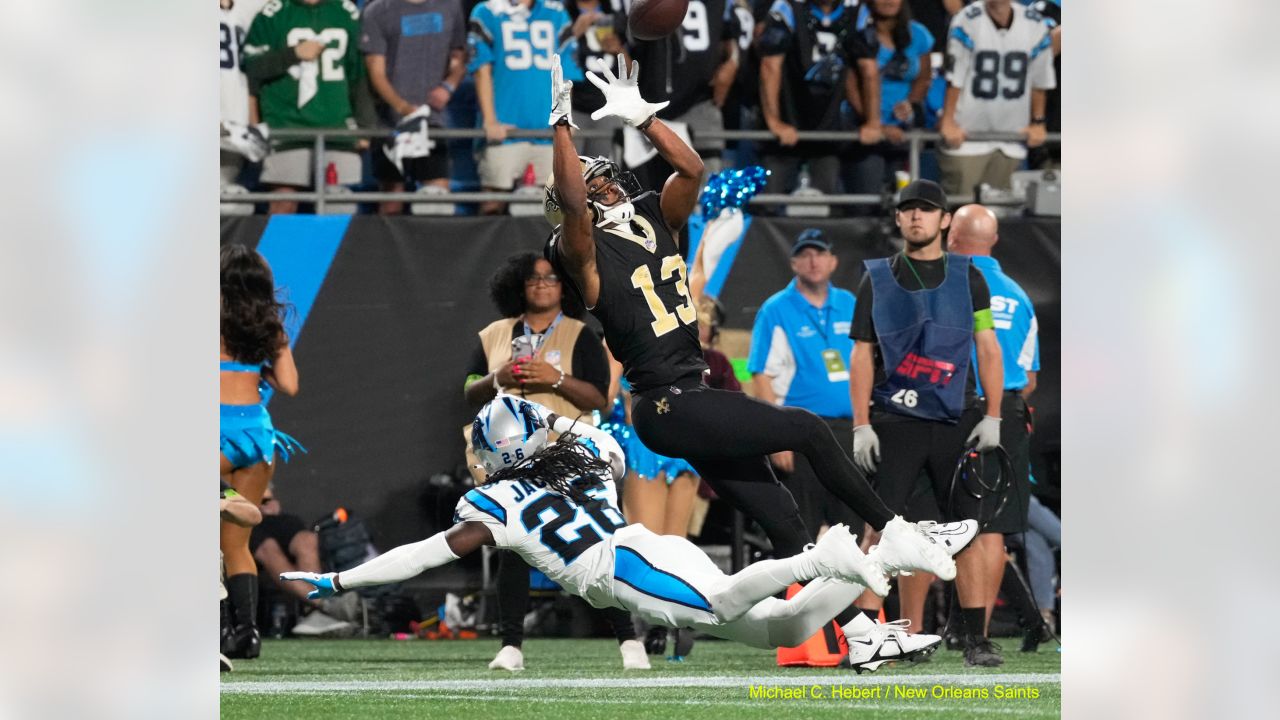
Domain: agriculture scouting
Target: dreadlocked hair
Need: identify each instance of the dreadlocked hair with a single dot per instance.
(564, 466)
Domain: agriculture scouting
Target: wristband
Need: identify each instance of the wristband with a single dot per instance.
(557, 383)
(1039, 120)
(337, 586)
(448, 86)
(645, 125)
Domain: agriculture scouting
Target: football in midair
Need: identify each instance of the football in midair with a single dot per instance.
(655, 19)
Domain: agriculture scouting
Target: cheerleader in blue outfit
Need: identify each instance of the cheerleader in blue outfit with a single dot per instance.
(254, 349)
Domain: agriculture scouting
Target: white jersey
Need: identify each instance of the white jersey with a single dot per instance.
(571, 543)
(233, 24)
(995, 71)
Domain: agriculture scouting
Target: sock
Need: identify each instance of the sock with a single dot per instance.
(972, 621)
(858, 625)
(848, 614)
(874, 615)
(620, 621)
(242, 590)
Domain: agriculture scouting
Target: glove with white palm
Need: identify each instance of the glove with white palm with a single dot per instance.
(986, 435)
(561, 96)
(323, 583)
(622, 95)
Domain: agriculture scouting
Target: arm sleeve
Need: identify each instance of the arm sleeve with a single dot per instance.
(372, 40)
(779, 29)
(589, 361)
(400, 563)
(981, 296)
(264, 62)
(959, 53)
(863, 328)
(478, 364)
(761, 339)
(480, 38)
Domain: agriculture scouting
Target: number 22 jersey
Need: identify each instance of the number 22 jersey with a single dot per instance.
(570, 543)
(644, 305)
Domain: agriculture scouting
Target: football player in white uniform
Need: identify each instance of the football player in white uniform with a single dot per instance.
(555, 504)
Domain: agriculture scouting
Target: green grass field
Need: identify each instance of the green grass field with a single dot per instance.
(571, 679)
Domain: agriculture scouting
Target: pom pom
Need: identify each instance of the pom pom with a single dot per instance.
(732, 189)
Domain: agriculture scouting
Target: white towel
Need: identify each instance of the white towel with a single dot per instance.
(308, 80)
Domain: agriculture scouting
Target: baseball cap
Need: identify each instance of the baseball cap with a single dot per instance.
(812, 237)
(923, 191)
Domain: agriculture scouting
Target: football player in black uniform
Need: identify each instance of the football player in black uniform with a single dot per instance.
(619, 248)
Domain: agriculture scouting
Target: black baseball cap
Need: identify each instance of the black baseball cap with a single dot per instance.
(811, 237)
(923, 191)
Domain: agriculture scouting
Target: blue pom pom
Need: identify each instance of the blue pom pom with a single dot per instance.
(732, 189)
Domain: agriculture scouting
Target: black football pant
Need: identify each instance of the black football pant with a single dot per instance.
(726, 436)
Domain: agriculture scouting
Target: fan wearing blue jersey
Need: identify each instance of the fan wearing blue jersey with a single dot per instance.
(555, 504)
(511, 43)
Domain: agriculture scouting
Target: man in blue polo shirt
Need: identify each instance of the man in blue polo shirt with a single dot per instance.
(974, 231)
(798, 350)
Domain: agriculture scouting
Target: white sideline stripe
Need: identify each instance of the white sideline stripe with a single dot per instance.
(277, 687)
(970, 708)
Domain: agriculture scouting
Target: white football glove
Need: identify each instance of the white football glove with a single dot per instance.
(866, 448)
(323, 584)
(986, 434)
(561, 95)
(251, 141)
(622, 95)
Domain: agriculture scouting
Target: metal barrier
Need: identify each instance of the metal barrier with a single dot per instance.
(916, 140)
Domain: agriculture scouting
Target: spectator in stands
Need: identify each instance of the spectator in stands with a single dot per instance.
(974, 232)
(283, 543)
(798, 350)
(900, 47)
(415, 54)
(542, 351)
(802, 88)
(301, 58)
(936, 16)
(1049, 155)
(233, 508)
(720, 374)
(999, 65)
(1043, 538)
(927, 310)
(237, 110)
(598, 28)
(694, 70)
(511, 48)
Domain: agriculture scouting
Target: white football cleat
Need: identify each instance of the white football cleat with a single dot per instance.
(508, 658)
(953, 536)
(633, 655)
(873, 644)
(838, 555)
(906, 546)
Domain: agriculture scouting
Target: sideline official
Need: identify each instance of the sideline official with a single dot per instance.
(798, 350)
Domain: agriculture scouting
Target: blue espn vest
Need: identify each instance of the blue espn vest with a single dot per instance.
(925, 340)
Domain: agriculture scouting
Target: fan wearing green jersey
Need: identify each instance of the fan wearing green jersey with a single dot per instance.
(304, 65)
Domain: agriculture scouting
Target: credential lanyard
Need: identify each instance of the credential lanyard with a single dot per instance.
(537, 352)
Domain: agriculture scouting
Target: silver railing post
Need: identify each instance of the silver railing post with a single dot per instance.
(318, 173)
(913, 156)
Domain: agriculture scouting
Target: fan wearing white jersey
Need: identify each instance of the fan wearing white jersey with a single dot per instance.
(555, 505)
(999, 67)
(234, 19)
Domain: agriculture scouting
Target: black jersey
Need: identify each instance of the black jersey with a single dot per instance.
(644, 305)
(679, 67)
(813, 66)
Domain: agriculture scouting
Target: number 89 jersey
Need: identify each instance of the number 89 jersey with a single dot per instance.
(570, 543)
(648, 316)
(995, 70)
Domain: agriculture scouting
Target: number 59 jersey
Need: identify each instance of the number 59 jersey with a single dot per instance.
(648, 316)
(570, 543)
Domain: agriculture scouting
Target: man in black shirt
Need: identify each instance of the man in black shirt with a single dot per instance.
(918, 317)
(619, 248)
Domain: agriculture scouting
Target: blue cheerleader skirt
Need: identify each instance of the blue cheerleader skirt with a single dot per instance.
(640, 459)
(248, 437)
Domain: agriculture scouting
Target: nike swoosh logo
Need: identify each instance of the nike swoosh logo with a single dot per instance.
(868, 643)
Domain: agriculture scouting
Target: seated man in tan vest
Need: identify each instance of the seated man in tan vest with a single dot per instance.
(539, 350)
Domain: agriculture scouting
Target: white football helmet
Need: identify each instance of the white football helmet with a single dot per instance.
(507, 431)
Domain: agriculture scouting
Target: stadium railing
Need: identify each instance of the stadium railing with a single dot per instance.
(916, 141)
